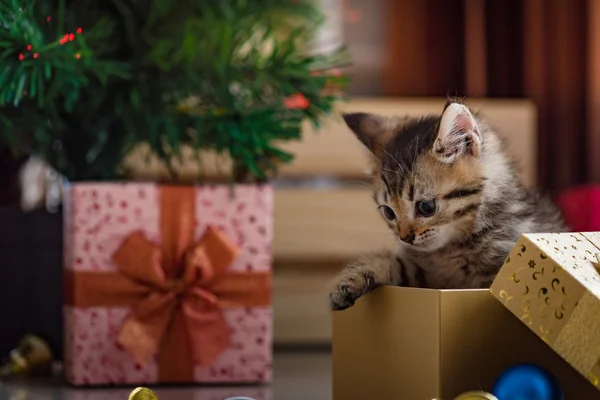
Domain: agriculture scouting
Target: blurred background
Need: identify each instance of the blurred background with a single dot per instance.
(532, 67)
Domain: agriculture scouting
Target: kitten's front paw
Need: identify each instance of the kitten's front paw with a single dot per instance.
(349, 286)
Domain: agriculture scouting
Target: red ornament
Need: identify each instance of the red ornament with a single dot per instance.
(296, 102)
(35, 55)
(28, 47)
(71, 37)
(78, 56)
(79, 30)
(48, 18)
(21, 57)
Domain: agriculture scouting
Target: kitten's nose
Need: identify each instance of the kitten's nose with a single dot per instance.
(410, 238)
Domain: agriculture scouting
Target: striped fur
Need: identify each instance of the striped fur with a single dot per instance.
(481, 207)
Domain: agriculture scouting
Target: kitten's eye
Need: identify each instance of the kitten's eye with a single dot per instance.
(388, 213)
(426, 208)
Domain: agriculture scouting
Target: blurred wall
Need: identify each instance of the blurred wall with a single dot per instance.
(364, 33)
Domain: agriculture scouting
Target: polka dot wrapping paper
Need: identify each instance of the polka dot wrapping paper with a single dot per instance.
(551, 282)
(100, 218)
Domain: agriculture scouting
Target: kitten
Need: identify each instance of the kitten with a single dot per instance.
(449, 192)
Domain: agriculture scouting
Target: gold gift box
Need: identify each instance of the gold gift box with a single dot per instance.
(419, 344)
(551, 282)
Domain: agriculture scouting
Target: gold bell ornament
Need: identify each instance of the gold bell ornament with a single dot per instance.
(32, 353)
(142, 393)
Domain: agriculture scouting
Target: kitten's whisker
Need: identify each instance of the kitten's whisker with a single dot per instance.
(416, 153)
(391, 156)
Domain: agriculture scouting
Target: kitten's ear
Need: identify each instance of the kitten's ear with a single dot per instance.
(372, 130)
(458, 134)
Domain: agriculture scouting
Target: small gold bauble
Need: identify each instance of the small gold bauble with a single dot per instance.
(31, 353)
(478, 395)
(142, 393)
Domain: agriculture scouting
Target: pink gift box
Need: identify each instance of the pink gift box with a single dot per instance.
(98, 218)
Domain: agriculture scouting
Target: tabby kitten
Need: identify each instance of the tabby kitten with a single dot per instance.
(449, 192)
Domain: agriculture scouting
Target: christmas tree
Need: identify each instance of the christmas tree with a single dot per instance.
(83, 82)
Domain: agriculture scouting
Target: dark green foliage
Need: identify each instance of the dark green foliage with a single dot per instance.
(168, 73)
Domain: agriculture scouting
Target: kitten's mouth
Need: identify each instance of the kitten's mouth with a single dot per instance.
(410, 243)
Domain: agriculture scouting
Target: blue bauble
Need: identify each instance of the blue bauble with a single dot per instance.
(527, 382)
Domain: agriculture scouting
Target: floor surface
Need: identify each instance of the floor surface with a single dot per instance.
(297, 376)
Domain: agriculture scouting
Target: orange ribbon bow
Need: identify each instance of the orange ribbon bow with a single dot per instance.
(177, 291)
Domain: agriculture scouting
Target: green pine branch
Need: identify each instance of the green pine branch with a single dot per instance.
(83, 81)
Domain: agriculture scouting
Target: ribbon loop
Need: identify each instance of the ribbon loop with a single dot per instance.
(140, 260)
(197, 265)
(220, 251)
